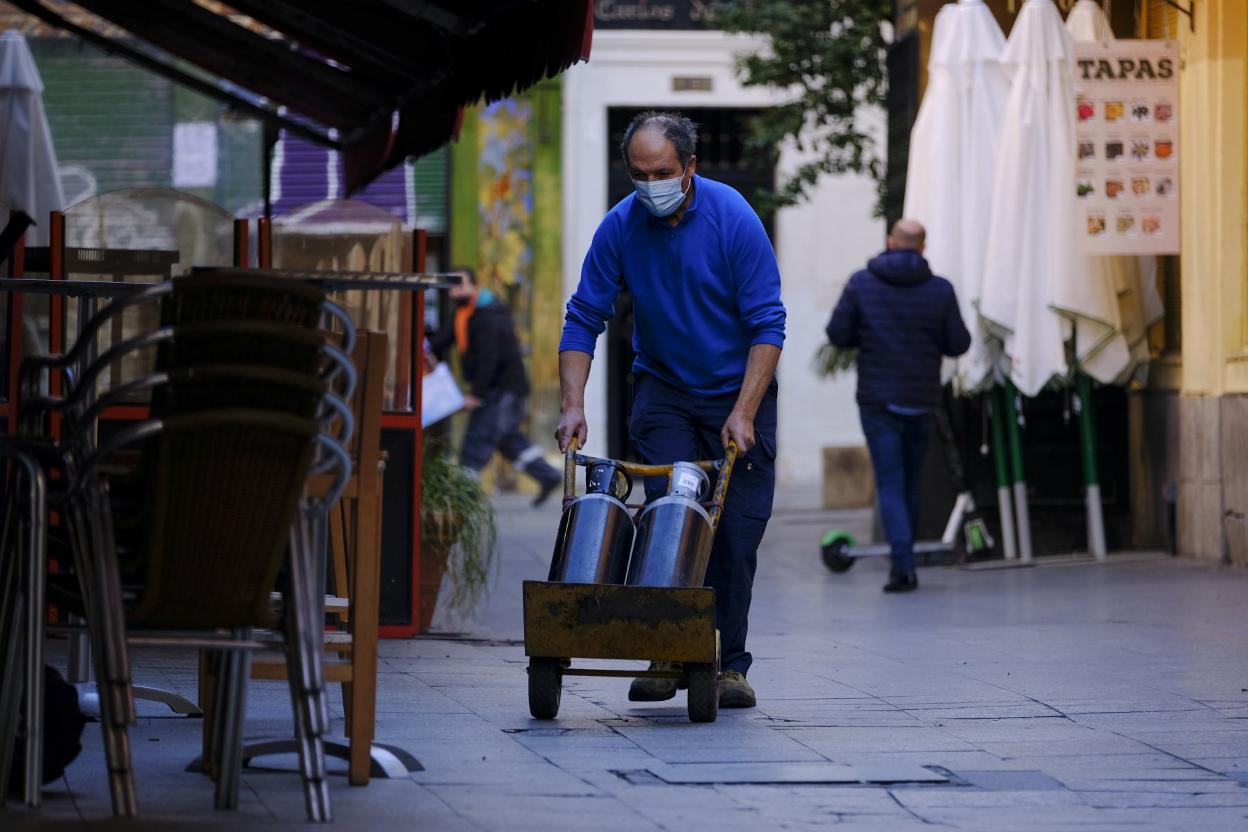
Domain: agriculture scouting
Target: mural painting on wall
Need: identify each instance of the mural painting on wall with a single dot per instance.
(505, 197)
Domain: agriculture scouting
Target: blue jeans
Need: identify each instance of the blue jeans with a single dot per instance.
(668, 425)
(898, 443)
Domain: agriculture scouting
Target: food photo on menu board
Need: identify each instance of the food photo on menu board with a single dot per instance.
(1126, 147)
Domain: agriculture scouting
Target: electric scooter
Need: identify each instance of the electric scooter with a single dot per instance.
(840, 550)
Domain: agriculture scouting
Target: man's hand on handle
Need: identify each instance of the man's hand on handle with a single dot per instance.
(740, 429)
(571, 423)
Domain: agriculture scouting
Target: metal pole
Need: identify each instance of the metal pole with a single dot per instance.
(1002, 466)
(1091, 476)
(1010, 396)
(36, 610)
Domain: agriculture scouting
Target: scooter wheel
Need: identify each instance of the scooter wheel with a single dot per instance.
(836, 556)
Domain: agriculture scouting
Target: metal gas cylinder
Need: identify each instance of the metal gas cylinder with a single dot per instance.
(673, 543)
(596, 531)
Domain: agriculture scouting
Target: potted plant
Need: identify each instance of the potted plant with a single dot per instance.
(832, 360)
(458, 536)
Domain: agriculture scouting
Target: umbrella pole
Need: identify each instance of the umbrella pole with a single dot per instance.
(1091, 477)
(1021, 513)
(1002, 466)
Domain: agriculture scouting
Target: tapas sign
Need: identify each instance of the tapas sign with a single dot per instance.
(1127, 146)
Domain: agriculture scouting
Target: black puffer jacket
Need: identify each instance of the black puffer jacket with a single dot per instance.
(903, 319)
(493, 363)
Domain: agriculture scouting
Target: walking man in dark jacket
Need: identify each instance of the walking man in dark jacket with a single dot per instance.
(498, 386)
(903, 319)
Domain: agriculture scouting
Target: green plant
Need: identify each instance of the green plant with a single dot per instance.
(831, 360)
(455, 512)
(830, 55)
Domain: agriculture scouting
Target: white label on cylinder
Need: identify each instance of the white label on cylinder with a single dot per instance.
(687, 482)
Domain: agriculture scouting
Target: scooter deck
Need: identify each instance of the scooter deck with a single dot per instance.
(874, 550)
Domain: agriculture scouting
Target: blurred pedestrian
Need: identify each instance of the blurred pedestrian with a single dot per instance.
(498, 386)
(902, 319)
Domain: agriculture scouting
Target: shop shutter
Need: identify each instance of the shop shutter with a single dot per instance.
(427, 194)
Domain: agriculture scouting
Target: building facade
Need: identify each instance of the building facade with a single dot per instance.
(1213, 371)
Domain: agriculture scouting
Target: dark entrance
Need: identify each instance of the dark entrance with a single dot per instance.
(722, 156)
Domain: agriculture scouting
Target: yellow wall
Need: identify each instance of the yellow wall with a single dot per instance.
(1215, 198)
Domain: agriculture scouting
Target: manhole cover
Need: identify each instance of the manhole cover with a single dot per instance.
(760, 773)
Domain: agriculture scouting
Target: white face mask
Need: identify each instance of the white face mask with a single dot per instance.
(662, 197)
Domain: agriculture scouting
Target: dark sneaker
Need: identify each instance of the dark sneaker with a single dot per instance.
(899, 581)
(734, 691)
(654, 690)
(548, 487)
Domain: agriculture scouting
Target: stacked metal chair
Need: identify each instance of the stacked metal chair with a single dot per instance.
(211, 510)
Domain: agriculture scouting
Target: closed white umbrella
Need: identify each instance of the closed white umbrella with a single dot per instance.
(1031, 240)
(29, 176)
(1121, 290)
(952, 155)
(1089, 296)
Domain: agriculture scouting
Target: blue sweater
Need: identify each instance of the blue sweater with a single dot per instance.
(703, 292)
(902, 319)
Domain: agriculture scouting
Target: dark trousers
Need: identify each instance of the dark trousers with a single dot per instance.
(671, 425)
(495, 426)
(898, 444)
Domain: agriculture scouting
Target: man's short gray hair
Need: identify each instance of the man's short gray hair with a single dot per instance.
(680, 130)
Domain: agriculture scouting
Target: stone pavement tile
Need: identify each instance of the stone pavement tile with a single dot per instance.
(839, 799)
(1096, 742)
(718, 742)
(789, 807)
(955, 761)
(1193, 718)
(465, 727)
(1223, 765)
(382, 804)
(535, 776)
(1171, 784)
(920, 799)
(1039, 730)
(1016, 711)
(1146, 800)
(834, 741)
(497, 748)
(1087, 819)
(1121, 765)
(491, 809)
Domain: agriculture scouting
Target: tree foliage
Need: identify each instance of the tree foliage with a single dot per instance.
(830, 54)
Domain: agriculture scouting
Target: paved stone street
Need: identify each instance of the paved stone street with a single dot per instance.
(1067, 696)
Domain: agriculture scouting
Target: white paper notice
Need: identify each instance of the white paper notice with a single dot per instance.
(195, 154)
(1127, 146)
(440, 396)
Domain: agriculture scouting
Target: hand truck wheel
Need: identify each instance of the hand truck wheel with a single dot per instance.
(703, 698)
(545, 687)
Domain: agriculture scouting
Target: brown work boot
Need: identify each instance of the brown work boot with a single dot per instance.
(734, 691)
(646, 689)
